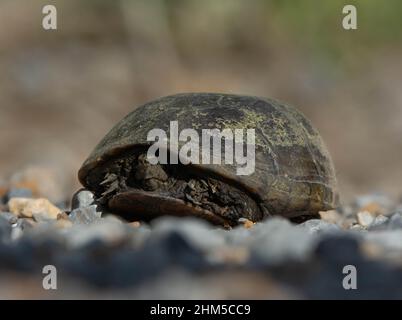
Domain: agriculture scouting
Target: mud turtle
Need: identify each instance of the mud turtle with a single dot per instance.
(293, 177)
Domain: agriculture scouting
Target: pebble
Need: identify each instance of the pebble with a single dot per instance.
(373, 208)
(358, 228)
(96, 248)
(198, 232)
(16, 233)
(246, 223)
(85, 215)
(376, 203)
(379, 222)
(339, 248)
(82, 198)
(25, 207)
(348, 222)
(174, 248)
(276, 240)
(331, 216)
(134, 224)
(106, 230)
(389, 239)
(375, 279)
(395, 221)
(365, 218)
(20, 227)
(121, 266)
(316, 226)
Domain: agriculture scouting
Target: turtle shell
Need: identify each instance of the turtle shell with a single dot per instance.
(293, 175)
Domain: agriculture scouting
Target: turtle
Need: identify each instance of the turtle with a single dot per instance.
(293, 174)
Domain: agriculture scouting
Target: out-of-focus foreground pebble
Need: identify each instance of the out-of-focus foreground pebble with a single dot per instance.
(97, 255)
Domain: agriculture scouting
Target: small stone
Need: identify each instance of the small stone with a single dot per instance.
(384, 223)
(331, 216)
(11, 218)
(21, 226)
(374, 208)
(82, 198)
(357, 227)
(16, 233)
(395, 221)
(376, 203)
(348, 222)
(378, 280)
(365, 218)
(338, 248)
(174, 248)
(18, 193)
(318, 226)
(388, 239)
(379, 222)
(110, 231)
(24, 207)
(198, 232)
(134, 224)
(276, 241)
(86, 215)
(246, 223)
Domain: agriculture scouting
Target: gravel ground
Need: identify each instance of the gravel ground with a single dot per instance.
(97, 255)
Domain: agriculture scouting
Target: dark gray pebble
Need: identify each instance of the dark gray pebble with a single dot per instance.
(375, 279)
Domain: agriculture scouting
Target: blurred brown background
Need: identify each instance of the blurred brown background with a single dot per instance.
(61, 91)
